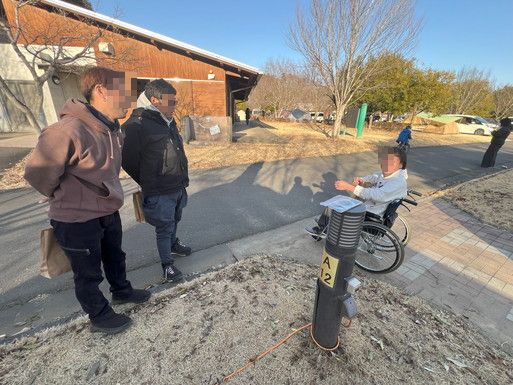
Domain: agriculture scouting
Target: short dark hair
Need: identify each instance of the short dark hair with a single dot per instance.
(157, 88)
(396, 151)
(93, 76)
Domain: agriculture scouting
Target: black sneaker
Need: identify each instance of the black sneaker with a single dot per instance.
(110, 323)
(180, 249)
(136, 296)
(171, 273)
(316, 232)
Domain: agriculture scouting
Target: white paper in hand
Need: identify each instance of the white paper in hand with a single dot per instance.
(341, 203)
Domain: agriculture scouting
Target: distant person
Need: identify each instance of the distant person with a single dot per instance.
(498, 139)
(76, 164)
(248, 116)
(153, 155)
(404, 137)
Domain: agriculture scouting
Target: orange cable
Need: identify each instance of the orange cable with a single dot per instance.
(274, 347)
(322, 347)
(261, 355)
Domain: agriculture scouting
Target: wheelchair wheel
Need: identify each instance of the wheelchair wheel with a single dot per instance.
(379, 249)
(401, 228)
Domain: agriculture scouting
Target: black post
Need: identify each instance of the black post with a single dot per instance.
(333, 299)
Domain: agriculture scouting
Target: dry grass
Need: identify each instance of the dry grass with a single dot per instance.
(13, 177)
(199, 332)
(304, 141)
(309, 140)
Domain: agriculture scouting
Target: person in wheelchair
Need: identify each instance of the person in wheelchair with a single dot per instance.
(377, 190)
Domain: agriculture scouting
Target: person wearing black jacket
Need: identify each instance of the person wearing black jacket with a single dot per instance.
(498, 140)
(153, 155)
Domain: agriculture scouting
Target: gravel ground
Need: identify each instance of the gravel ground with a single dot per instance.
(490, 199)
(200, 331)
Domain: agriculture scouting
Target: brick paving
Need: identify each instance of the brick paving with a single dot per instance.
(461, 264)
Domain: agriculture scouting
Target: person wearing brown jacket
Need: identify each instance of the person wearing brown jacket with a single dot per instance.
(76, 164)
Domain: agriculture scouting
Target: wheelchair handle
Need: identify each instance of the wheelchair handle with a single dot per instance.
(414, 193)
(410, 201)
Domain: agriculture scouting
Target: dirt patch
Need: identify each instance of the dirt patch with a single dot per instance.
(490, 199)
(200, 331)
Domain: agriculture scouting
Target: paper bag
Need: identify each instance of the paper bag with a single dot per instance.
(138, 209)
(53, 260)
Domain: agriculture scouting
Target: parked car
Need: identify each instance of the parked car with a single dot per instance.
(258, 112)
(492, 121)
(473, 124)
(317, 116)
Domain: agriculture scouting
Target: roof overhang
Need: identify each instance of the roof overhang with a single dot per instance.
(162, 40)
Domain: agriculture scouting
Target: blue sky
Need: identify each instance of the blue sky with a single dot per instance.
(456, 33)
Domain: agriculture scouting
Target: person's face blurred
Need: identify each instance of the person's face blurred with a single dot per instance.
(120, 96)
(114, 100)
(389, 163)
(166, 104)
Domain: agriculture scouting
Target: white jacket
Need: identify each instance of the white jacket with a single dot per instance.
(384, 191)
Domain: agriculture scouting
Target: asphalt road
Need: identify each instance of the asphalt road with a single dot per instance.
(224, 204)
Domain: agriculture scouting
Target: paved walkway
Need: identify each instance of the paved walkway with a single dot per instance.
(461, 264)
(18, 140)
(14, 147)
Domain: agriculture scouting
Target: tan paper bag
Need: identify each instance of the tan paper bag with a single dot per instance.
(53, 260)
(138, 209)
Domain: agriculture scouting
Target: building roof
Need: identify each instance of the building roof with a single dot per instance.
(165, 40)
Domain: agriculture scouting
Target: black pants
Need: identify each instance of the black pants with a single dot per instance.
(491, 154)
(87, 245)
(324, 219)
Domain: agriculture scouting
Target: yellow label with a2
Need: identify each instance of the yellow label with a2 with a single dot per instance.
(328, 269)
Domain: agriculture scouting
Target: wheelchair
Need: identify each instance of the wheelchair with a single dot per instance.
(382, 240)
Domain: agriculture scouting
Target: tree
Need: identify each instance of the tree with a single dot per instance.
(339, 38)
(387, 90)
(45, 50)
(428, 90)
(403, 87)
(472, 92)
(282, 87)
(503, 102)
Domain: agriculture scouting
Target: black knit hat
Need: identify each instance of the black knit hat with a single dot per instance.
(506, 122)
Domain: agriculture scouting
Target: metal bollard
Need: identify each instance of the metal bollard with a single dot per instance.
(335, 284)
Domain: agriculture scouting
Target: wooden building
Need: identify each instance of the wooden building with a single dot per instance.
(208, 84)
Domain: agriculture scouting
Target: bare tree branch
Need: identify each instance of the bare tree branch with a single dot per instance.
(503, 102)
(470, 88)
(338, 38)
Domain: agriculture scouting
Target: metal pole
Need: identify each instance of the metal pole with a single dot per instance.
(335, 284)
(361, 120)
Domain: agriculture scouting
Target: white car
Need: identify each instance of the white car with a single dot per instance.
(472, 124)
(317, 116)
